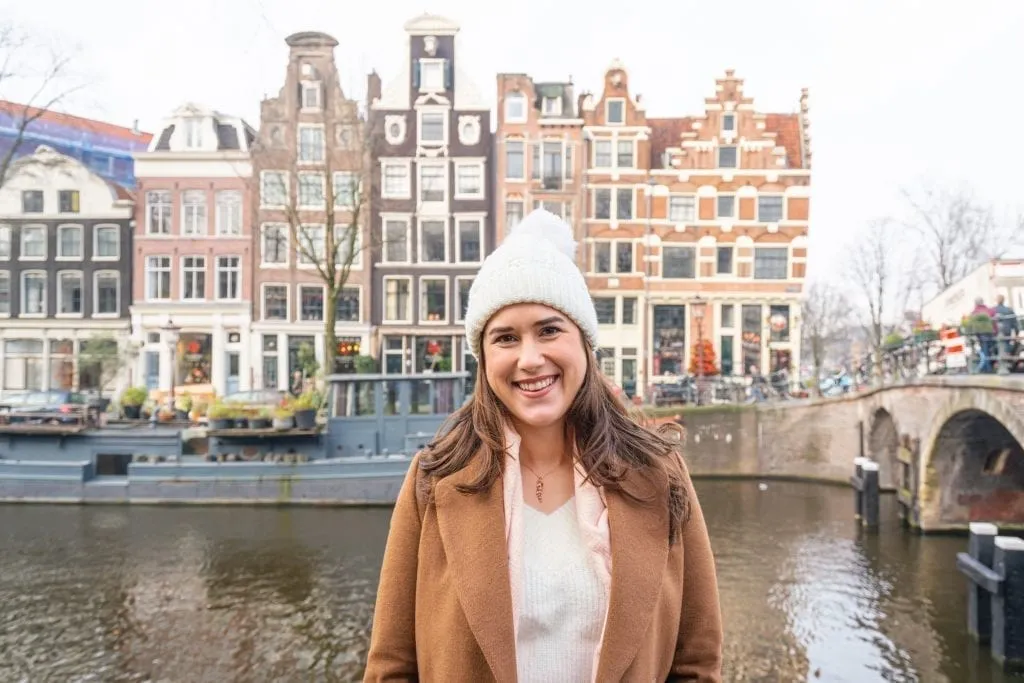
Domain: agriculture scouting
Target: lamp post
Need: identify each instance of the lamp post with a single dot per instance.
(698, 305)
(171, 333)
(653, 188)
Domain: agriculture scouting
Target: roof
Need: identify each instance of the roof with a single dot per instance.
(311, 39)
(120, 192)
(787, 134)
(666, 133)
(431, 24)
(17, 110)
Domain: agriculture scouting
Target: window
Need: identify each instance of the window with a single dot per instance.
(769, 209)
(623, 209)
(682, 208)
(725, 206)
(5, 292)
(515, 160)
(193, 278)
(433, 242)
(346, 185)
(470, 240)
(629, 310)
(615, 111)
(396, 181)
(312, 246)
(551, 166)
(229, 277)
(678, 262)
(107, 292)
(68, 201)
(346, 306)
(274, 244)
(431, 74)
(464, 284)
(433, 300)
(193, 133)
(270, 356)
(604, 253)
(727, 157)
(348, 245)
(311, 144)
(106, 242)
(31, 201)
(311, 95)
(603, 154)
(602, 203)
(432, 183)
(552, 106)
(723, 260)
(33, 293)
(432, 127)
(158, 212)
(311, 190)
(515, 108)
(396, 241)
(624, 203)
(273, 188)
(728, 315)
(5, 243)
(605, 307)
(728, 123)
(469, 181)
(396, 299)
(158, 277)
(726, 353)
(776, 314)
(771, 263)
(624, 158)
(311, 302)
(229, 212)
(623, 257)
(275, 302)
(193, 213)
(69, 293)
(69, 242)
(560, 209)
(513, 213)
(33, 242)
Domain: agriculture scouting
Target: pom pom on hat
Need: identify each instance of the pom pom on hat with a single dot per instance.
(535, 264)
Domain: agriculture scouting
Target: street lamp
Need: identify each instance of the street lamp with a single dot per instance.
(653, 189)
(171, 334)
(698, 304)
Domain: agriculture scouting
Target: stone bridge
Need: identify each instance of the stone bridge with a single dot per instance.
(950, 447)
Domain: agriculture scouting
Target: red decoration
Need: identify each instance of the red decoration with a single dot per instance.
(702, 359)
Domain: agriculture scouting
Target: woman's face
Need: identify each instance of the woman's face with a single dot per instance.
(534, 361)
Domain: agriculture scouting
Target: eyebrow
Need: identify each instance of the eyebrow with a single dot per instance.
(540, 323)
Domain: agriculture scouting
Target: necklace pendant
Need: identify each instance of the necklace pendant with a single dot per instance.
(539, 490)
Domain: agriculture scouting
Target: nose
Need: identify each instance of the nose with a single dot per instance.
(530, 356)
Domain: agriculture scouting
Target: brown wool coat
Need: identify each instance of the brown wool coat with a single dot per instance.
(444, 605)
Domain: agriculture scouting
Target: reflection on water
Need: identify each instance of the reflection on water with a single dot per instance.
(226, 594)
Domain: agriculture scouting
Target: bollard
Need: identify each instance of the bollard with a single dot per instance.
(870, 500)
(980, 546)
(858, 487)
(1008, 603)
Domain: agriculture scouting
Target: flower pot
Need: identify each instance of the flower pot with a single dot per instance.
(305, 419)
(241, 423)
(259, 423)
(284, 422)
(181, 415)
(132, 412)
(221, 423)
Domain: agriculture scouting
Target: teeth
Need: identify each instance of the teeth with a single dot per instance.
(536, 386)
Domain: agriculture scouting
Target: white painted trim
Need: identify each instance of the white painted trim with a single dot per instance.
(96, 297)
(287, 302)
(525, 104)
(461, 163)
(58, 299)
(299, 161)
(465, 218)
(148, 296)
(445, 114)
(216, 277)
(181, 276)
(286, 181)
(46, 294)
(299, 286)
(81, 242)
(96, 242)
(405, 164)
(384, 300)
(422, 299)
(457, 301)
(21, 244)
(420, 242)
(405, 218)
(287, 246)
(433, 208)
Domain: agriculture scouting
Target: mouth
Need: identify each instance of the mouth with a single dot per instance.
(537, 386)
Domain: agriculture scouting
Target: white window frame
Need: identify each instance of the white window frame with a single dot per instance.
(458, 302)
(339, 235)
(555, 110)
(480, 165)
(185, 272)
(393, 218)
(21, 246)
(405, 164)
(729, 132)
(607, 111)
(432, 62)
(444, 166)
(193, 132)
(420, 243)
(220, 269)
(299, 286)
(459, 220)
(735, 206)
(299, 146)
(695, 207)
(285, 181)
(526, 158)
(355, 186)
(757, 206)
(59, 298)
(228, 205)
(311, 86)
(287, 301)
(96, 241)
(166, 225)
(25, 274)
(630, 141)
(96, 293)
(311, 177)
(443, 112)
(512, 99)
(146, 271)
(68, 227)
(287, 246)
(718, 156)
(6, 240)
(384, 300)
(6, 275)
(191, 225)
(300, 259)
(359, 297)
(422, 308)
(613, 254)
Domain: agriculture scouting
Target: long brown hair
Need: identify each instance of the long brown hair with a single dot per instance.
(609, 442)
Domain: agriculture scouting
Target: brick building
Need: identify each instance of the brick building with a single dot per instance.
(309, 162)
(193, 252)
(696, 229)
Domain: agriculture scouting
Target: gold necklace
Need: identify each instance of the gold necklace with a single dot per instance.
(539, 488)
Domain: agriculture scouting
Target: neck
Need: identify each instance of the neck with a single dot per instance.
(542, 447)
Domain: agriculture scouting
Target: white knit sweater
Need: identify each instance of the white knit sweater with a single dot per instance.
(563, 603)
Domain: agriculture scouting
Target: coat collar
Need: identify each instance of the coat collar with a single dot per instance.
(472, 528)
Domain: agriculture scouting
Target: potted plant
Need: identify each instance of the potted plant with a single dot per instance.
(182, 406)
(132, 399)
(220, 416)
(260, 420)
(283, 418)
(199, 409)
(304, 409)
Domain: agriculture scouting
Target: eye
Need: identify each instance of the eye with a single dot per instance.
(504, 339)
(550, 331)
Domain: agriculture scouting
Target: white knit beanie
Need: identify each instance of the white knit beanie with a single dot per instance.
(535, 264)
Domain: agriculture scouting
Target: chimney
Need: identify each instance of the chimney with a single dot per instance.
(135, 127)
(372, 88)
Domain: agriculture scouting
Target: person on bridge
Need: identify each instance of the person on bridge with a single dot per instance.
(544, 535)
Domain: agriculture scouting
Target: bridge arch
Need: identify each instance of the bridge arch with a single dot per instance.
(973, 469)
(883, 446)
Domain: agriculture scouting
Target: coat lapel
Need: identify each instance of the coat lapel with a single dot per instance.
(639, 547)
(472, 530)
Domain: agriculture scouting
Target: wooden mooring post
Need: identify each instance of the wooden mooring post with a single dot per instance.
(994, 566)
(866, 492)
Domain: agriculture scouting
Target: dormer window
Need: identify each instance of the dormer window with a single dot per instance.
(193, 133)
(552, 106)
(729, 123)
(431, 75)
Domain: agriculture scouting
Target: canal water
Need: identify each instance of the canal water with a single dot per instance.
(242, 594)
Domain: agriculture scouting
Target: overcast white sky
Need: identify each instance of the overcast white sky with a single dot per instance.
(901, 90)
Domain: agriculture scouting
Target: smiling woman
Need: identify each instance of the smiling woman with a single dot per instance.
(544, 535)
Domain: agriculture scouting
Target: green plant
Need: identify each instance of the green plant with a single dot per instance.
(134, 396)
(283, 413)
(219, 410)
(307, 400)
(183, 403)
(893, 340)
(365, 364)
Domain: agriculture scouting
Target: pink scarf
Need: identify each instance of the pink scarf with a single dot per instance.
(591, 515)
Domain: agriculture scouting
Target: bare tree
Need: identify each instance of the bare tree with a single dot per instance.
(101, 359)
(41, 85)
(957, 232)
(826, 313)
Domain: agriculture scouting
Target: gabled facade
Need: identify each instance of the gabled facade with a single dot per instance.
(539, 154)
(311, 149)
(700, 235)
(194, 252)
(434, 214)
(65, 270)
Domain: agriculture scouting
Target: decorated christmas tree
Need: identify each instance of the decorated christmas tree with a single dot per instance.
(702, 359)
